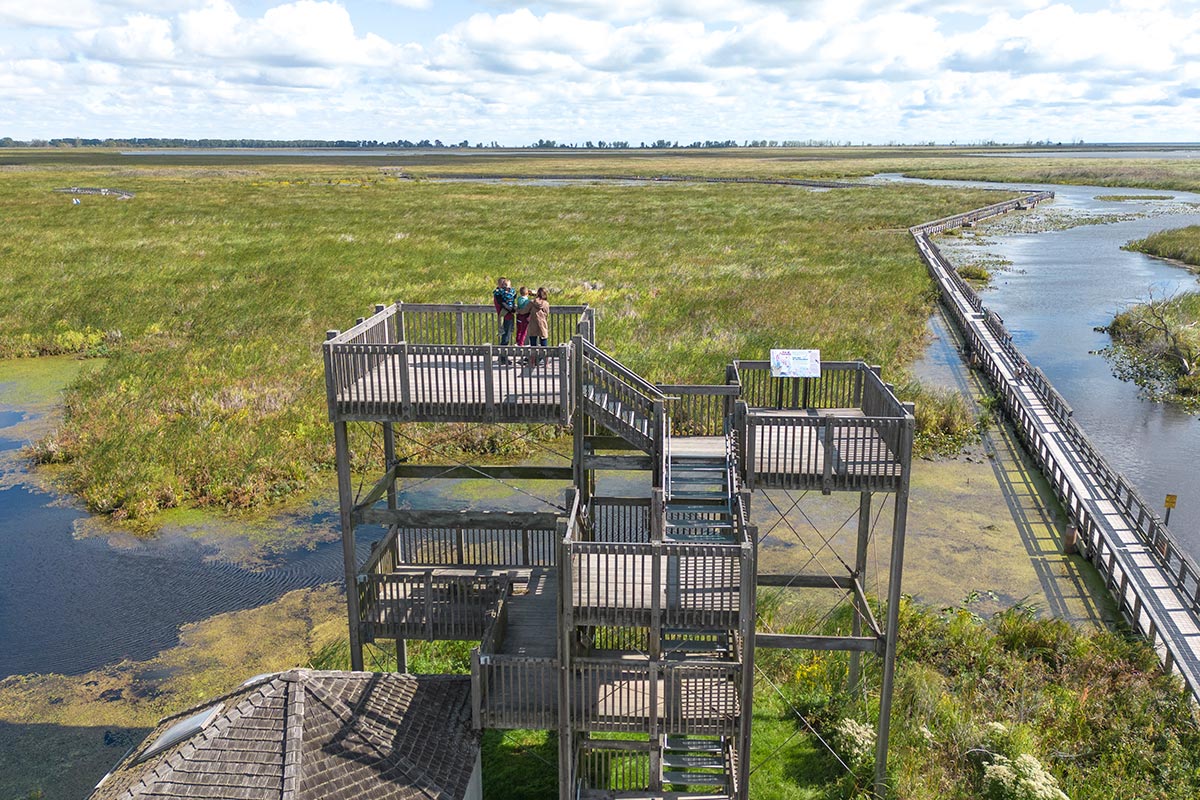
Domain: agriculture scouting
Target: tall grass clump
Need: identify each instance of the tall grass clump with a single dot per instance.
(1180, 244)
(946, 422)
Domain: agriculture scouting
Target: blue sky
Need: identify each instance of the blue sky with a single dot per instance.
(577, 70)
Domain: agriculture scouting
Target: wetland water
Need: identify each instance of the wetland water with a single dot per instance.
(69, 604)
(1061, 284)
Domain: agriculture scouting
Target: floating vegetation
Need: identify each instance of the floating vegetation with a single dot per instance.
(1123, 198)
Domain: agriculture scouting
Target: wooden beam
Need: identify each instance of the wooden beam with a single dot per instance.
(608, 443)
(500, 520)
(807, 581)
(502, 472)
(618, 462)
(378, 490)
(784, 641)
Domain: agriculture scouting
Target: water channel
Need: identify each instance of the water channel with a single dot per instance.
(1060, 286)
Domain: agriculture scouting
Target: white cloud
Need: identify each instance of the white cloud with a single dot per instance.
(69, 14)
(303, 33)
(586, 69)
(141, 38)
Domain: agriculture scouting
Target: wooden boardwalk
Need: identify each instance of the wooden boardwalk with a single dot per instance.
(532, 616)
(1156, 587)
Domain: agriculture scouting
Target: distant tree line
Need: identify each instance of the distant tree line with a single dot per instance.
(436, 144)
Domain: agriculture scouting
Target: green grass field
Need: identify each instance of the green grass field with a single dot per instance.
(210, 293)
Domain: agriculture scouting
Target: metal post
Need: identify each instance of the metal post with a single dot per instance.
(349, 559)
(860, 569)
(899, 523)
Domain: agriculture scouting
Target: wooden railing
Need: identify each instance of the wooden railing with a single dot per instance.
(425, 606)
(613, 765)
(638, 407)
(1010, 373)
(697, 585)
(441, 363)
(846, 453)
(696, 698)
(447, 382)
(619, 519)
(699, 410)
(460, 324)
(843, 384)
(491, 547)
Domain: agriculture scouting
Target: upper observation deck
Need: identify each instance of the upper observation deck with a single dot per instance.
(437, 363)
(843, 431)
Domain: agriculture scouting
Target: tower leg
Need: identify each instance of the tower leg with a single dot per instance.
(349, 559)
(899, 523)
(860, 568)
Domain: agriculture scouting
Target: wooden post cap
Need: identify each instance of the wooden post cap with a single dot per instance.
(331, 335)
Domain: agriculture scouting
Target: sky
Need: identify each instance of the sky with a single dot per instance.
(859, 71)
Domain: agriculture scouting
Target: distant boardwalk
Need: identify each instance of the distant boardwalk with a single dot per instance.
(120, 194)
(1156, 586)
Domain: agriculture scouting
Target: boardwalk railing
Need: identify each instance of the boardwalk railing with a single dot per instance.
(613, 765)
(1156, 584)
(457, 323)
(828, 452)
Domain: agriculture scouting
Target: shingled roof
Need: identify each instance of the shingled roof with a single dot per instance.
(309, 735)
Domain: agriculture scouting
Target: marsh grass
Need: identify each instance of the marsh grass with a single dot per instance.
(210, 292)
(1180, 244)
(1089, 713)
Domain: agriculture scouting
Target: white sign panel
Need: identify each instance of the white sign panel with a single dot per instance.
(796, 363)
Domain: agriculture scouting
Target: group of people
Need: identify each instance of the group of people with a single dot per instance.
(523, 309)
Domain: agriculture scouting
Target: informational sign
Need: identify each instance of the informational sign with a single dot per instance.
(1170, 501)
(796, 363)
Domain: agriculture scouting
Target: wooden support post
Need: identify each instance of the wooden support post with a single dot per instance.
(389, 458)
(660, 440)
(580, 426)
(350, 561)
(899, 524)
(748, 612)
(656, 673)
(566, 629)
(860, 569)
(827, 443)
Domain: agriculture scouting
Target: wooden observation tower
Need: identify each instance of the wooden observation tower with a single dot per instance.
(624, 624)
